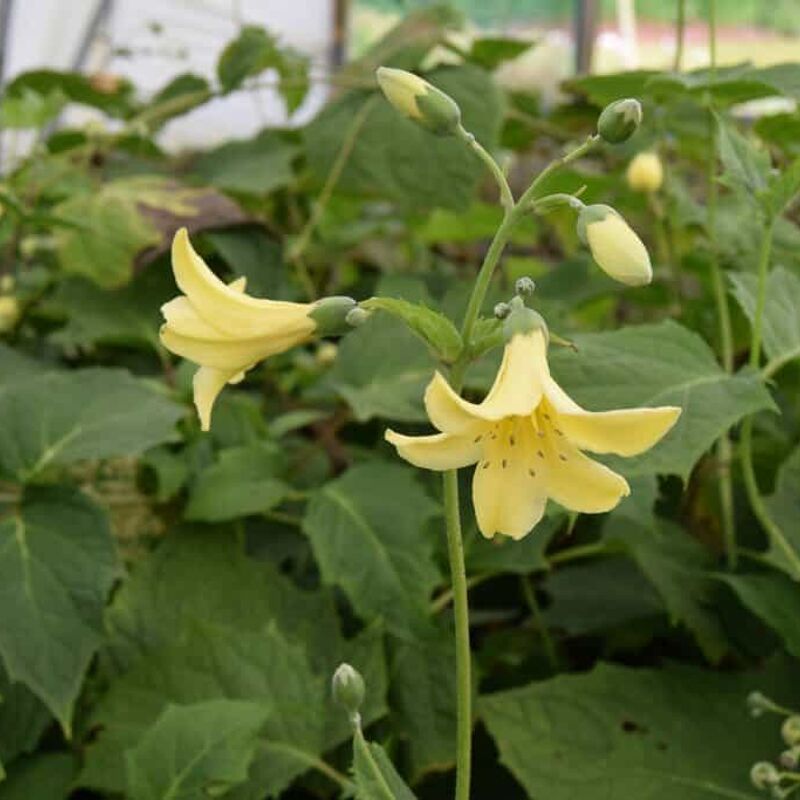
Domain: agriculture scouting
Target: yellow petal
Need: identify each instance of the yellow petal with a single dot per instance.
(516, 391)
(580, 484)
(626, 432)
(208, 383)
(225, 307)
(227, 354)
(509, 485)
(438, 452)
(618, 251)
(182, 318)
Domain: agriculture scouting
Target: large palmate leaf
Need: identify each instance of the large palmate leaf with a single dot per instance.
(47, 775)
(662, 364)
(676, 732)
(194, 751)
(57, 564)
(781, 322)
(374, 774)
(57, 418)
(393, 157)
(23, 719)
(367, 529)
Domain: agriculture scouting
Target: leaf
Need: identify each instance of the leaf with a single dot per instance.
(195, 751)
(784, 508)
(61, 417)
(47, 776)
(653, 365)
(781, 322)
(23, 719)
(745, 166)
(180, 95)
(656, 734)
(244, 481)
(367, 530)
(29, 109)
(374, 773)
(57, 564)
(490, 52)
(255, 166)
(433, 328)
(394, 158)
(381, 371)
(783, 188)
(773, 598)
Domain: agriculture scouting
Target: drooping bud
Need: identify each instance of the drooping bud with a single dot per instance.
(789, 759)
(790, 730)
(330, 314)
(763, 775)
(619, 120)
(618, 251)
(522, 320)
(356, 317)
(420, 101)
(502, 310)
(758, 703)
(525, 286)
(348, 688)
(645, 173)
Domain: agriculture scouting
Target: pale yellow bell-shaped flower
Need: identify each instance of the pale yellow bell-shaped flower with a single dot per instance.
(645, 173)
(526, 438)
(221, 328)
(615, 247)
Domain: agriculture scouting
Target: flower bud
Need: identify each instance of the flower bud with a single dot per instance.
(348, 688)
(9, 313)
(763, 775)
(790, 730)
(758, 703)
(326, 354)
(331, 315)
(419, 101)
(618, 251)
(356, 317)
(525, 286)
(502, 310)
(789, 759)
(619, 120)
(645, 173)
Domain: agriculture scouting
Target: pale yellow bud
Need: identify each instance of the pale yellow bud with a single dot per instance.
(645, 173)
(618, 251)
(9, 313)
(326, 353)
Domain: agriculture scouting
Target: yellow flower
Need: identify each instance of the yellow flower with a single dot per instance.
(526, 438)
(226, 331)
(645, 173)
(616, 248)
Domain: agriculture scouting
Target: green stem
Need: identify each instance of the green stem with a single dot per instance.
(666, 250)
(315, 763)
(680, 30)
(506, 197)
(761, 295)
(441, 602)
(533, 604)
(579, 552)
(458, 574)
(362, 744)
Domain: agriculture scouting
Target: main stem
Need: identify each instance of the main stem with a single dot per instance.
(680, 31)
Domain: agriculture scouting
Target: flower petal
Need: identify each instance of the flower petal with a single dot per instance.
(208, 383)
(438, 452)
(226, 307)
(509, 485)
(625, 431)
(516, 391)
(227, 354)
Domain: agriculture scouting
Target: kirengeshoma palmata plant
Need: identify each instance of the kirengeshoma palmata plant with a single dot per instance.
(527, 438)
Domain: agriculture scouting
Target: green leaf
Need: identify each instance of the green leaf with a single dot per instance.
(745, 167)
(61, 417)
(653, 365)
(181, 94)
(775, 599)
(381, 371)
(784, 508)
(23, 719)
(656, 734)
(433, 328)
(29, 109)
(195, 751)
(48, 776)
(490, 52)
(244, 481)
(375, 775)
(783, 188)
(255, 166)
(781, 322)
(394, 158)
(368, 532)
(57, 564)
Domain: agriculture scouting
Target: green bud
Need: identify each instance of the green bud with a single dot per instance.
(619, 120)
(758, 703)
(502, 310)
(348, 688)
(356, 316)
(789, 759)
(525, 286)
(522, 320)
(790, 730)
(763, 775)
(330, 315)
(420, 101)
